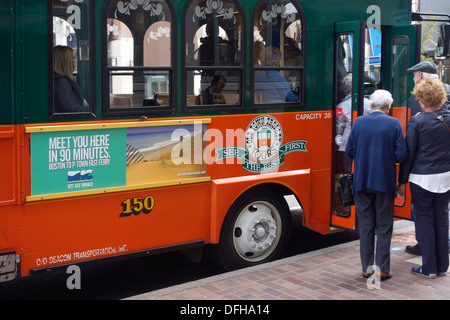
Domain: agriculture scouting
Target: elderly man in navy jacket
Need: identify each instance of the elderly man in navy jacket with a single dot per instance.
(376, 144)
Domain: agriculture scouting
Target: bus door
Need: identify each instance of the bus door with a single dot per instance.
(402, 51)
(374, 59)
(348, 104)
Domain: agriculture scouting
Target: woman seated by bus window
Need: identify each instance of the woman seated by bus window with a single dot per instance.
(68, 95)
(271, 85)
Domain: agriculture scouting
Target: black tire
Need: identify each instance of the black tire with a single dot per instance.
(256, 230)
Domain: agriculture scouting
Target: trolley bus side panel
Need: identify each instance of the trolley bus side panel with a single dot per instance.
(73, 230)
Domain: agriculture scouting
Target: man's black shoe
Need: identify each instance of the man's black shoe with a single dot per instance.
(414, 250)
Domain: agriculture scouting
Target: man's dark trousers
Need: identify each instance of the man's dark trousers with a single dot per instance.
(375, 214)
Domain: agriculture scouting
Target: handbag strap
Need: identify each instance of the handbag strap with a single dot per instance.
(442, 120)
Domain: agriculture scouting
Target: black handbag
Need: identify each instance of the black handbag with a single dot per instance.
(346, 190)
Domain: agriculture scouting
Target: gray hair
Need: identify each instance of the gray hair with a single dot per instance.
(347, 84)
(381, 100)
(427, 75)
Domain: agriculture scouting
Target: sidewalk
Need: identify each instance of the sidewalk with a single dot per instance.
(328, 274)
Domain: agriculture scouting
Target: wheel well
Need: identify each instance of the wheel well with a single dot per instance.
(274, 187)
(228, 193)
(257, 235)
(291, 199)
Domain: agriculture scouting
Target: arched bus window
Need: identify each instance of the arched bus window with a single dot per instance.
(138, 57)
(213, 55)
(72, 92)
(278, 51)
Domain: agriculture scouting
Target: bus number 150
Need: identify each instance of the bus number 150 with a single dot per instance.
(137, 205)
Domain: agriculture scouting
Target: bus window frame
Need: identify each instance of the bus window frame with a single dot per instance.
(301, 69)
(238, 68)
(413, 33)
(92, 86)
(171, 70)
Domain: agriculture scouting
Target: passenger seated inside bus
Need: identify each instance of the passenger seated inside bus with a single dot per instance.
(67, 93)
(271, 85)
(214, 50)
(212, 94)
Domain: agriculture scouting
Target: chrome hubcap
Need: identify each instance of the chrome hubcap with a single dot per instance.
(257, 231)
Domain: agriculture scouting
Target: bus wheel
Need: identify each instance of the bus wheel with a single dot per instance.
(255, 230)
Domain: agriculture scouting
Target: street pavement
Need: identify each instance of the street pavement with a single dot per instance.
(332, 273)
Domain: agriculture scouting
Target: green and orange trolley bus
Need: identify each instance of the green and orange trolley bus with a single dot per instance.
(184, 123)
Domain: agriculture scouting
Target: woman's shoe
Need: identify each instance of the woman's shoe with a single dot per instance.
(419, 271)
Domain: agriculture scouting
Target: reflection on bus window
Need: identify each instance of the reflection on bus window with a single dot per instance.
(139, 61)
(344, 123)
(278, 52)
(400, 62)
(71, 65)
(345, 110)
(213, 50)
(373, 60)
(271, 85)
(344, 113)
(344, 60)
(399, 86)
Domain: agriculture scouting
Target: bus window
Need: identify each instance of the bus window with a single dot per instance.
(278, 53)
(72, 71)
(213, 50)
(139, 59)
